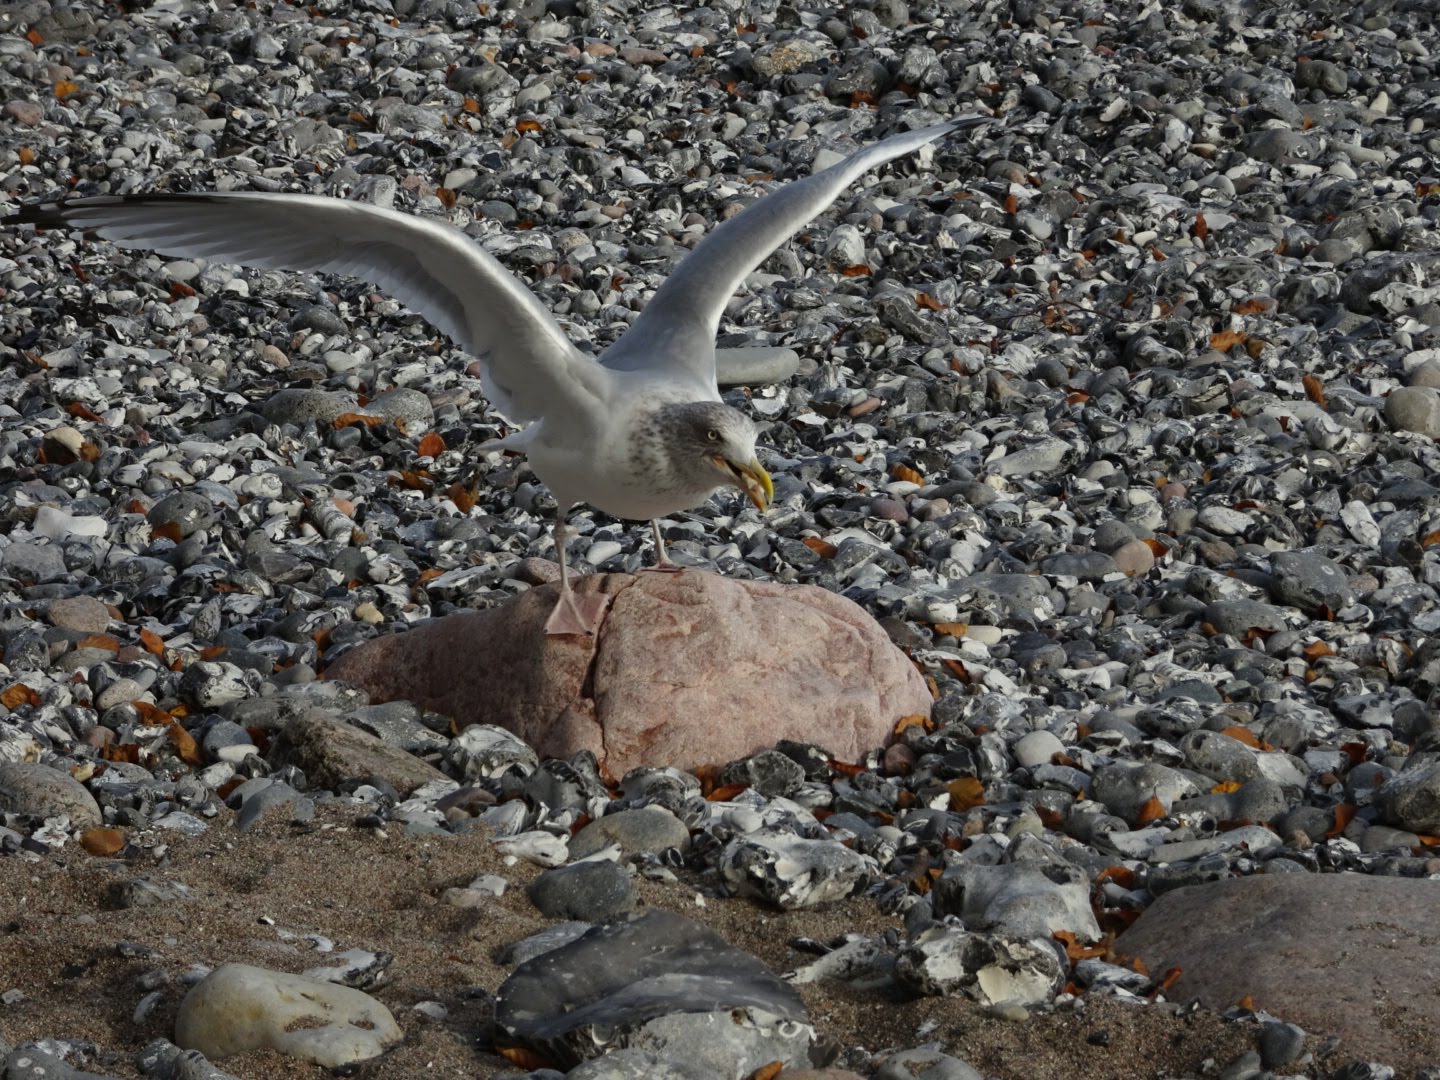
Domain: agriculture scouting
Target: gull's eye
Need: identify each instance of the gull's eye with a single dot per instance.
(712, 435)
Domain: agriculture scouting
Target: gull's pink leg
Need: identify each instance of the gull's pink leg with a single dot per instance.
(572, 614)
(663, 562)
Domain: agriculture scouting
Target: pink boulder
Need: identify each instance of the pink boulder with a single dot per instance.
(686, 669)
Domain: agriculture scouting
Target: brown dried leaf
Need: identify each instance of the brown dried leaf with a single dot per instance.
(1120, 875)
(919, 720)
(1152, 810)
(166, 530)
(858, 270)
(17, 695)
(151, 642)
(928, 302)
(726, 791)
(464, 498)
(1012, 203)
(965, 793)
(414, 480)
(1254, 306)
(1199, 228)
(1314, 390)
(431, 445)
(102, 841)
(448, 197)
(524, 1057)
(346, 419)
(99, 641)
(82, 411)
(1344, 812)
(152, 714)
(1226, 340)
(185, 745)
(128, 752)
(823, 548)
(907, 474)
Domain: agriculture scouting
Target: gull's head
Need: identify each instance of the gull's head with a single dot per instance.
(714, 445)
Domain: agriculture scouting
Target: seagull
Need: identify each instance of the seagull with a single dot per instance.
(639, 432)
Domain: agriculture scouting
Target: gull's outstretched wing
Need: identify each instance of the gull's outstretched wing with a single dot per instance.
(531, 368)
(676, 331)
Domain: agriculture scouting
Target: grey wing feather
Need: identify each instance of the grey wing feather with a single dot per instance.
(676, 331)
(531, 368)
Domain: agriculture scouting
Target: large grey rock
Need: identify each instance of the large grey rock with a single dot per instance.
(1411, 799)
(40, 791)
(1024, 899)
(1414, 408)
(790, 871)
(992, 969)
(655, 983)
(1350, 955)
(1310, 581)
(333, 753)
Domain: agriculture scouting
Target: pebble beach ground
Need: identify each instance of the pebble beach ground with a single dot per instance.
(1120, 416)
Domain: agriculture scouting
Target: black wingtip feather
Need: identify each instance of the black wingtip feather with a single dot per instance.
(57, 215)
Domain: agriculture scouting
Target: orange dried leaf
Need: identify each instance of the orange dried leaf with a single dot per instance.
(431, 445)
(859, 270)
(470, 105)
(1426, 840)
(464, 498)
(1171, 978)
(1073, 949)
(965, 793)
(429, 574)
(1012, 203)
(15, 696)
(1317, 649)
(1152, 810)
(727, 791)
(823, 548)
(1226, 340)
(98, 641)
(82, 411)
(919, 720)
(1251, 307)
(102, 841)
(845, 768)
(767, 1072)
(210, 652)
(64, 88)
(414, 480)
(956, 668)
(526, 127)
(1243, 735)
(1120, 875)
(128, 752)
(1314, 390)
(151, 642)
(346, 419)
(954, 629)
(1157, 548)
(1138, 966)
(524, 1057)
(166, 530)
(1199, 229)
(907, 474)
(1247, 1002)
(1343, 815)
(1430, 539)
(35, 37)
(185, 745)
(928, 302)
(152, 714)
(1225, 787)
(448, 197)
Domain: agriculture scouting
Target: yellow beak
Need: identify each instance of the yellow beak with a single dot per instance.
(750, 478)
